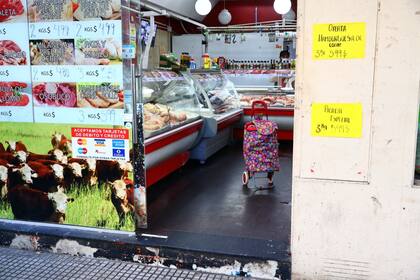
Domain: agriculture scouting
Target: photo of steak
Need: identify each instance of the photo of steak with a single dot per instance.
(11, 53)
(55, 94)
(12, 94)
(10, 9)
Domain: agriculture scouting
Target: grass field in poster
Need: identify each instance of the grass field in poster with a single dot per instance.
(92, 205)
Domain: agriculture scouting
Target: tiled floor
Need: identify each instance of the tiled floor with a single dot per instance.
(21, 265)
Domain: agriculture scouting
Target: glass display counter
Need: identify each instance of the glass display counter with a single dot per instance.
(280, 103)
(172, 121)
(220, 109)
(216, 92)
(170, 101)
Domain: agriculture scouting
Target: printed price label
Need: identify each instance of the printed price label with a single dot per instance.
(342, 120)
(85, 29)
(79, 115)
(129, 51)
(339, 41)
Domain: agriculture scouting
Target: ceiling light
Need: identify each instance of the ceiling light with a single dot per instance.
(225, 17)
(291, 15)
(282, 6)
(203, 7)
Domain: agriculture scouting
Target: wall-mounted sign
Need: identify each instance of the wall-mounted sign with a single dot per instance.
(342, 120)
(100, 143)
(339, 40)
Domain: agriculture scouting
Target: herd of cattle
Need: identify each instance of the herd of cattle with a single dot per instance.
(35, 184)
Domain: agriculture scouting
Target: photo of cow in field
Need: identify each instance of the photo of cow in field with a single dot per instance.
(41, 181)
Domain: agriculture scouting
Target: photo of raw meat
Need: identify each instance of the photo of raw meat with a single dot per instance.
(12, 11)
(98, 52)
(14, 94)
(55, 94)
(50, 10)
(11, 53)
(52, 52)
(94, 10)
(103, 95)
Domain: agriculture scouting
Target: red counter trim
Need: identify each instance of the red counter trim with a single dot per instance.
(164, 139)
(228, 121)
(165, 168)
(285, 112)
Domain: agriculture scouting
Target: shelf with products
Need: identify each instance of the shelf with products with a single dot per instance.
(275, 98)
(271, 64)
(282, 73)
(266, 79)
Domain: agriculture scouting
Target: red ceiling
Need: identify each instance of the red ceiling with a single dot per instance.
(242, 11)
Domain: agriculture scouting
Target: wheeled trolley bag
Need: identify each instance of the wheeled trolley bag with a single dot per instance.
(260, 148)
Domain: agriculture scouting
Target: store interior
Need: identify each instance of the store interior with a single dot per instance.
(201, 76)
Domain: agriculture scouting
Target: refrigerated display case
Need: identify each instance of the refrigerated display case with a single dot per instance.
(172, 121)
(280, 102)
(220, 109)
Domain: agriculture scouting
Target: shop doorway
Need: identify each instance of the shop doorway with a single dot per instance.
(194, 126)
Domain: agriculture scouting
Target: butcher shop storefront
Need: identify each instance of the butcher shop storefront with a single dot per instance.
(72, 147)
(69, 142)
(74, 151)
(88, 125)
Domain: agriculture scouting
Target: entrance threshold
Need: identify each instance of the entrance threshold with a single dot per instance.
(181, 249)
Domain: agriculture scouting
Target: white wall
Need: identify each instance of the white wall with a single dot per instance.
(344, 228)
(189, 43)
(256, 47)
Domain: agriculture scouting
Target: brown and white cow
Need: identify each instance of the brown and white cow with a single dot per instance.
(20, 175)
(2, 149)
(15, 146)
(4, 174)
(34, 205)
(72, 172)
(58, 155)
(122, 198)
(14, 158)
(59, 141)
(49, 177)
(88, 171)
(110, 171)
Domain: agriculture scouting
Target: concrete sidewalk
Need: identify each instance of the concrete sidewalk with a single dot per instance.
(21, 265)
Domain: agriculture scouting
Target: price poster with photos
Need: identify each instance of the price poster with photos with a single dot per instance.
(76, 60)
(15, 71)
(62, 100)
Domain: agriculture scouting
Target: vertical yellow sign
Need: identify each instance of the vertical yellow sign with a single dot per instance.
(342, 120)
(339, 40)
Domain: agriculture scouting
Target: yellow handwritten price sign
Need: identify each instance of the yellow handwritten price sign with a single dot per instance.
(343, 120)
(339, 40)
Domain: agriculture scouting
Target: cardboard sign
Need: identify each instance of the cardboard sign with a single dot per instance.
(339, 41)
(342, 120)
(100, 143)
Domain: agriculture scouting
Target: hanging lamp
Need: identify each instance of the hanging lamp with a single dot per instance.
(282, 6)
(203, 7)
(225, 16)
